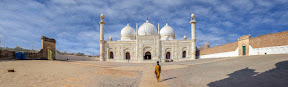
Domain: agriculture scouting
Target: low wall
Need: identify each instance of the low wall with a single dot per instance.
(270, 40)
(268, 50)
(32, 55)
(7, 55)
(276, 43)
(76, 58)
(219, 49)
(220, 55)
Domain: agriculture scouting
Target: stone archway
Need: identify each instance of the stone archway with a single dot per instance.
(184, 54)
(147, 56)
(49, 54)
(168, 55)
(127, 55)
(243, 49)
(111, 55)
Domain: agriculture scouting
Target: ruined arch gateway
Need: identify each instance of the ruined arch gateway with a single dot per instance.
(147, 44)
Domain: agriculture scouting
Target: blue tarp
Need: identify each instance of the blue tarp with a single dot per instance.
(23, 56)
(20, 55)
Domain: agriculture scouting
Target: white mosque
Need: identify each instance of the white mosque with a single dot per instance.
(147, 44)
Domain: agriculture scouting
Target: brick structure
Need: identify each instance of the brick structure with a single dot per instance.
(7, 55)
(32, 55)
(243, 45)
(48, 48)
(276, 43)
(219, 49)
(275, 39)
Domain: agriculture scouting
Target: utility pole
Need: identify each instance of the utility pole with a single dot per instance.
(33, 46)
(93, 53)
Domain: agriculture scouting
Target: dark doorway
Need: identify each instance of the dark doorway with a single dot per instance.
(127, 56)
(147, 56)
(168, 55)
(111, 55)
(244, 50)
(184, 54)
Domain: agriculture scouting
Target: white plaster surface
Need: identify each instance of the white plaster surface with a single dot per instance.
(219, 55)
(268, 50)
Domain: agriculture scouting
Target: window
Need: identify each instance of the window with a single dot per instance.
(128, 56)
(111, 55)
(184, 54)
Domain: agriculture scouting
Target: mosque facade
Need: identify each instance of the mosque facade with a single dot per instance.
(147, 44)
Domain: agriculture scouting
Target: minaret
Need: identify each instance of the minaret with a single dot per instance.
(193, 37)
(102, 41)
(158, 29)
(136, 42)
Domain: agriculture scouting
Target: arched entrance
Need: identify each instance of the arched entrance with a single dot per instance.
(147, 56)
(128, 55)
(244, 50)
(168, 55)
(49, 54)
(184, 54)
(111, 55)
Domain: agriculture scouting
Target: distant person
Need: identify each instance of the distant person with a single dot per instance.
(157, 71)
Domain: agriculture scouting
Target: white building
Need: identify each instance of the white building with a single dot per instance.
(146, 44)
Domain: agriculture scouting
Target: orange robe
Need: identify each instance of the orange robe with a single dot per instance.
(157, 71)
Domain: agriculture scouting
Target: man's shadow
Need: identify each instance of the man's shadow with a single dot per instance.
(167, 79)
(277, 77)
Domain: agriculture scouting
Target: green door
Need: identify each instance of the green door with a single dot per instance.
(51, 55)
(244, 50)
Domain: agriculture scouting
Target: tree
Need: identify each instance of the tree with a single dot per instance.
(80, 54)
(18, 48)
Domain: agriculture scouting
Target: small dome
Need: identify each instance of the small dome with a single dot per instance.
(184, 38)
(102, 16)
(128, 33)
(110, 38)
(167, 31)
(147, 29)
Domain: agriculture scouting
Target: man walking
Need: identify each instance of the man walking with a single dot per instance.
(157, 71)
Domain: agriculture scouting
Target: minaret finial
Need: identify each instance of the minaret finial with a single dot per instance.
(166, 20)
(102, 17)
(192, 16)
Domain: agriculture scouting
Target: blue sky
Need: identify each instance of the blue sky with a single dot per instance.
(75, 23)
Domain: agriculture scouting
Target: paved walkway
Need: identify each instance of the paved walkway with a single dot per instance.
(148, 78)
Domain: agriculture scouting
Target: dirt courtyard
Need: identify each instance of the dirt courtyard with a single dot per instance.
(197, 73)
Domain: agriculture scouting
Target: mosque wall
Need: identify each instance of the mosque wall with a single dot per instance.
(119, 50)
(176, 49)
(148, 44)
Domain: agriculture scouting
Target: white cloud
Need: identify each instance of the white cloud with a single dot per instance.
(75, 23)
(228, 24)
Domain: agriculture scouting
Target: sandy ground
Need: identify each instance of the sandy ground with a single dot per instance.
(270, 70)
(44, 73)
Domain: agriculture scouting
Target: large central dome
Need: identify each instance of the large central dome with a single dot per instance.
(147, 29)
